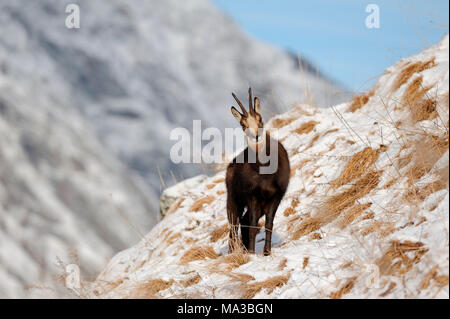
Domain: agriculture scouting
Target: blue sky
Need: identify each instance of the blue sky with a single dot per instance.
(332, 34)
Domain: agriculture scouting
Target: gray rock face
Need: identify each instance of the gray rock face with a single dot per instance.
(61, 191)
(171, 194)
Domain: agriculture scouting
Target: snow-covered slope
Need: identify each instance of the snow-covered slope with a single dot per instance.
(366, 213)
(137, 69)
(61, 193)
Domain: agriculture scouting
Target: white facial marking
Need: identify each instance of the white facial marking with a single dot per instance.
(252, 125)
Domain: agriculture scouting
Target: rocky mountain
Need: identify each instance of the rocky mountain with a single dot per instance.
(61, 192)
(138, 69)
(366, 214)
(86, 115)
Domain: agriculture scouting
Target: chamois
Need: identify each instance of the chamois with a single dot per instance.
(249, 186)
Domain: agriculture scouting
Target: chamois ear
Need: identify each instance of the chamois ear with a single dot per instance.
(257, 105)
(236, 113)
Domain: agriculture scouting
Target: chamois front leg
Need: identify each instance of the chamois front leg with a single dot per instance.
(254, 214)
(233, 220)
(270, 215)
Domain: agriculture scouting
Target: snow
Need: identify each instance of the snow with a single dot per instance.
(342, 256)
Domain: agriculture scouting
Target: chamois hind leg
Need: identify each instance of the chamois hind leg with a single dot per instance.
(245, 223)
(233, 214)
(270, 210)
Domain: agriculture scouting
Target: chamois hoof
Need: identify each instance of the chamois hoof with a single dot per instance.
(267, 253)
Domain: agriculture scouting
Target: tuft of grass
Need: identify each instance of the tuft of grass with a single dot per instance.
(282, 264)
(174, 207)
(298, 166)
(421, 107)
(315, 236)
(191, 281)
(345, 289)
(305, 262)
(250, 290)
(411, 68)
(381, 227)
(170, 240)
(360, 100)
(400, 257)
(351, 214)
(391, 287)
(150, 289)
(336, 204)
(219, 233)
(279, 123)
(425, 153)
(306, 127)
(291, 210)
(236, 259)
(199, 203)
(356, 166)
(240, 277)
(198, 253)
(432, 275)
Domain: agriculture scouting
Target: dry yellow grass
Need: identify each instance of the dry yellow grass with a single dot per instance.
(392, 285)
(173, 238)
(351, 214)
(424, 110)
(244, 278)
(315, 236)
(198, 253)
(199, 203)
(356, 166)
(306, 127)
(421, 107)
(250, 290)
(336, 204)
(234, 260)
(298, 166)
(174, 207)
(305, 262)
(425, 153)
(345, 289)
(381, 227)
(331, 131)
(332, 147)
(418, 194)
(360, 100)
(414, 92)
(279, 123)
(219, 180)
(219, 233)
(191, 281)
(313, 141)
(410, 69)
(150, 289)
(432, 275)
(401, 257)
(291, 210)
(282, 264)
